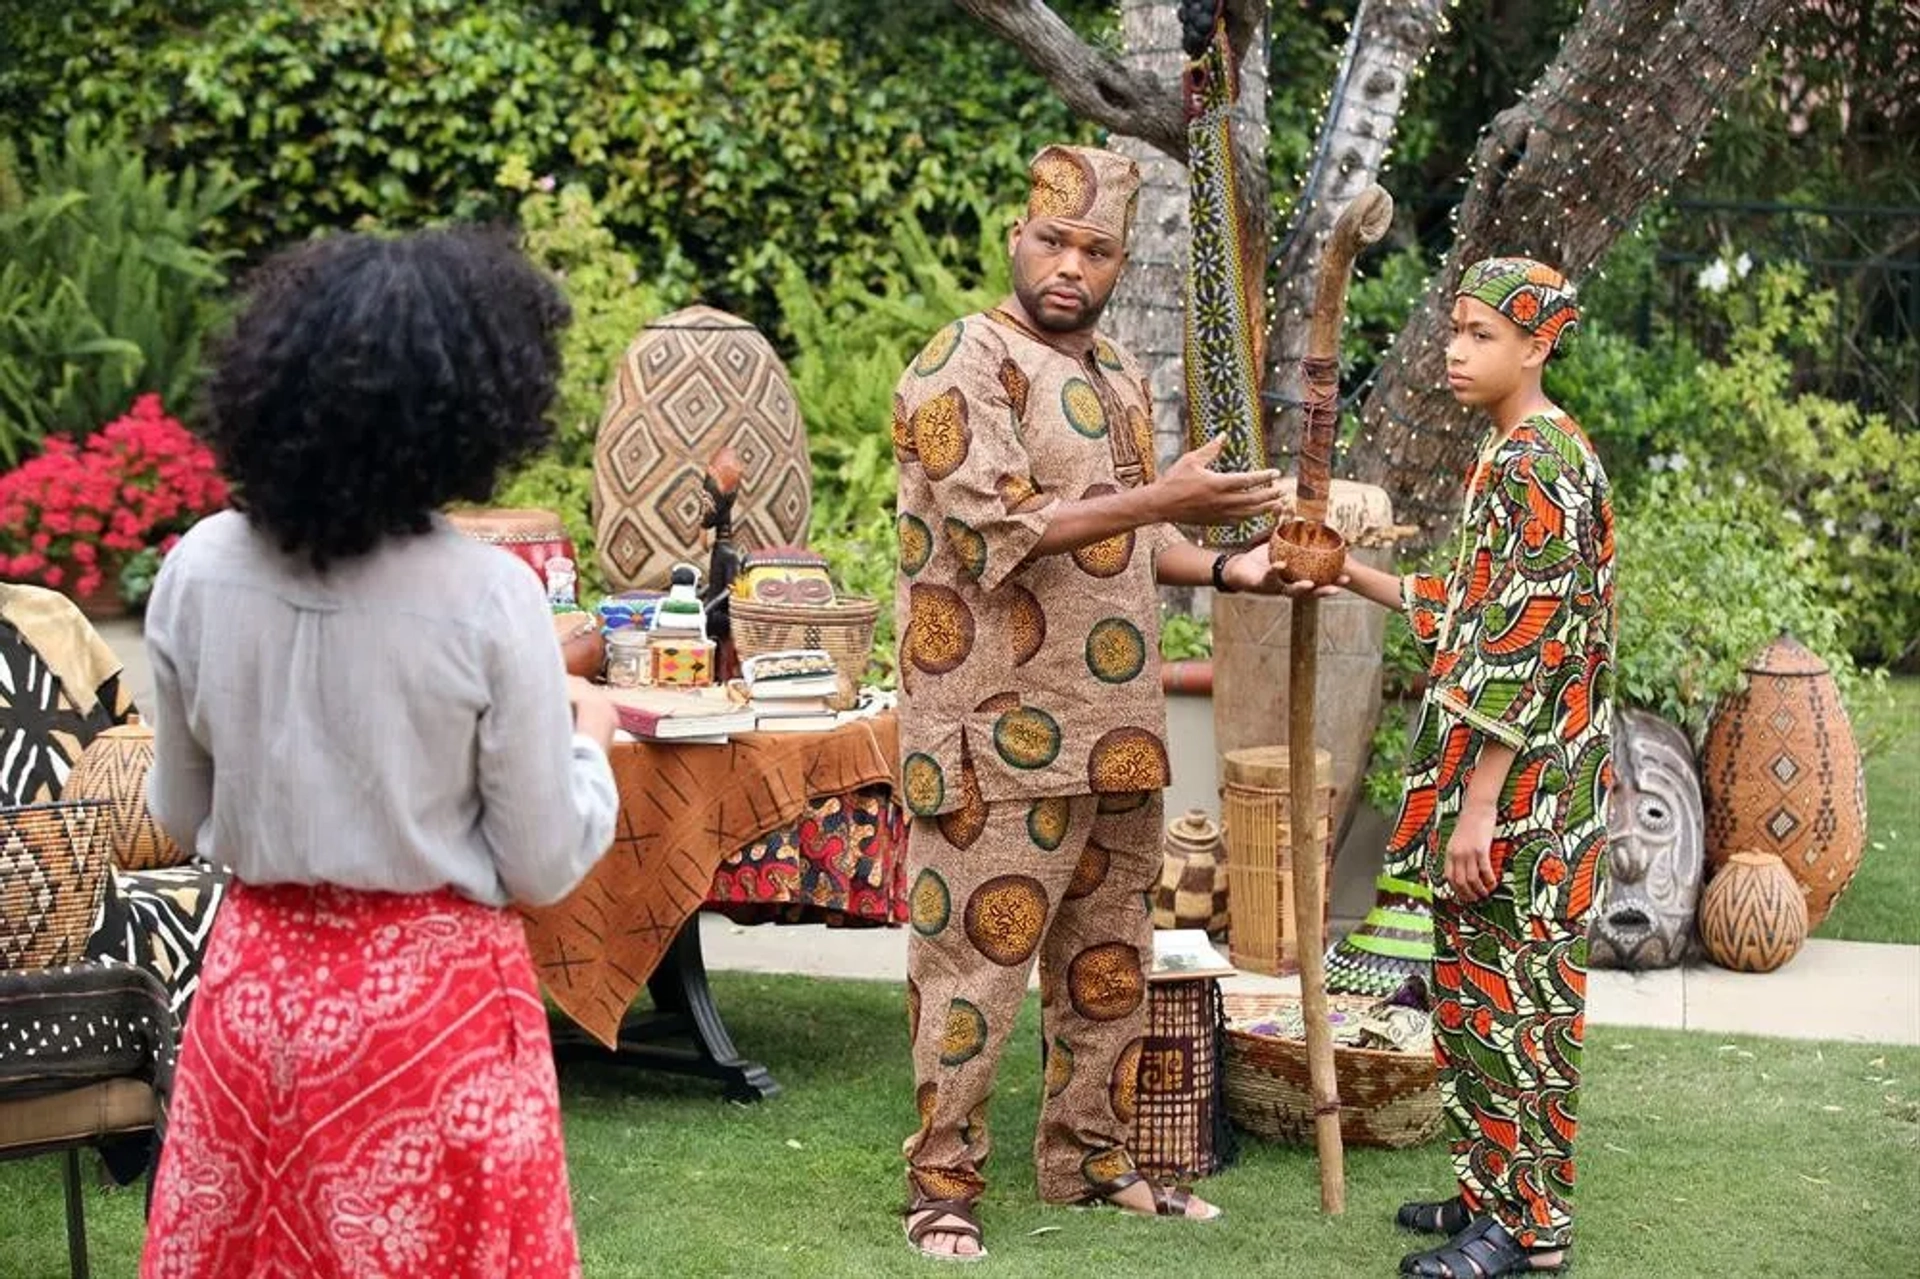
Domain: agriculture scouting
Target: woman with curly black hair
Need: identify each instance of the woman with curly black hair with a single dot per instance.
(364, 715)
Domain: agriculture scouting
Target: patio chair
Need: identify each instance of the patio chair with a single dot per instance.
(86, 1059)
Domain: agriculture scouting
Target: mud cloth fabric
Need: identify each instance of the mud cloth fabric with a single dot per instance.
(60, 687)
(366, 1089)
(1519, 640)
(1062, 880)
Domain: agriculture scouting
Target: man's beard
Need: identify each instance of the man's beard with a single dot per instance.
(1083, 319)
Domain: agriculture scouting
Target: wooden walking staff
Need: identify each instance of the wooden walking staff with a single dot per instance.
(1315, 552)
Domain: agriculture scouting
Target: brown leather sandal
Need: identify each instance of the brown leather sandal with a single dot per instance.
(1168, 1201)
(943, 1217)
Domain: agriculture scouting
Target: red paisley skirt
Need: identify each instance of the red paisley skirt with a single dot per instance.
(366, 1088)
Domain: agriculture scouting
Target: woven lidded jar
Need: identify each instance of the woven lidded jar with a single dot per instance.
(114, 769)
(1780, 773)
(1753, 917)
(1192, 892)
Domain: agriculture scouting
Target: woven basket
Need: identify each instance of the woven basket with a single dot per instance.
(1389, 1099)
(843, 628)
(53, 880)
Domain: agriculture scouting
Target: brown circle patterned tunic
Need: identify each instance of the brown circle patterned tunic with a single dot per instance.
(1044, 674)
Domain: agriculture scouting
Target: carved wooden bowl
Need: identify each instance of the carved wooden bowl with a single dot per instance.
(1311, 551)
(581, 643)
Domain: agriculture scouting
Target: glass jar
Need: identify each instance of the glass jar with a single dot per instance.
(627, 657)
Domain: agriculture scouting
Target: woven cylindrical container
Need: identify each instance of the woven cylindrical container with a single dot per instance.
(1753, 917)
(1178, 1107)
(1386, 1098)
(114, 769)
(1780, 774)
(1262, 935)
(1192, 892)
(531, 535)
(691, 383)
(843, 628)
(53, 879)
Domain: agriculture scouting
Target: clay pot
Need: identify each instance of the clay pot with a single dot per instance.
(1192, 892)
(1780, 773)
(1311, 551)
(1754, 916)
(114, 769)
(582, 646)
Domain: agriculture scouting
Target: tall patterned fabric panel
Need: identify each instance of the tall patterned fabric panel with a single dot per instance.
(41, 731)
(690, 383)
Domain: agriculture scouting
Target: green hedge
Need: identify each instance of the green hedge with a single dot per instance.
(720, 136)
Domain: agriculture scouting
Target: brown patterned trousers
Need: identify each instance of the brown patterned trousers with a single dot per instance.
(994, 886)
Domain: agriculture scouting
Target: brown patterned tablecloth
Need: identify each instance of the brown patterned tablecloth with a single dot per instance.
(683, 811)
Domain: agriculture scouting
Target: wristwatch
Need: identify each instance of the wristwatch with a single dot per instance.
(1220, 573)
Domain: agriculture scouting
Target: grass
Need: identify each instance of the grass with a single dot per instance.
(1701, 1155)
(1883, 902)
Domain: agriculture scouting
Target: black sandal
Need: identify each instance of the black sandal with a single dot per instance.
(1484, 1250)
(943, 1217)
(1434, 1217)
(1168, 1201)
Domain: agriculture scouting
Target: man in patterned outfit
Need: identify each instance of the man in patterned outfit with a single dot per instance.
(1033, 530)
(1505, 811)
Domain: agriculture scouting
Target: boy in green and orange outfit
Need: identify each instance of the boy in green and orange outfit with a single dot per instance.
(1504, 811)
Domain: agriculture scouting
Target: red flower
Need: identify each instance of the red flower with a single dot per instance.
(70, 515)
(1483, 1022)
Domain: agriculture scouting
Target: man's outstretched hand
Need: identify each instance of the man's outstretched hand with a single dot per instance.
(1192, 492)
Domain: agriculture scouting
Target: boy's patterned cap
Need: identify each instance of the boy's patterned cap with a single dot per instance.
(1087, 185)
(1531, 294)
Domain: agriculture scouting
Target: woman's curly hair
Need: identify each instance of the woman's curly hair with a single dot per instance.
(369, 381)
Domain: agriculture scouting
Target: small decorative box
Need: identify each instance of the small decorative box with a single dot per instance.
(683, 663)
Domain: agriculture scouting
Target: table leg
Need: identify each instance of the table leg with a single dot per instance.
(683, 1011)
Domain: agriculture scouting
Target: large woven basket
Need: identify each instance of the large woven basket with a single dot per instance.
(53, 879)
(843, 628)
(1387, 1098)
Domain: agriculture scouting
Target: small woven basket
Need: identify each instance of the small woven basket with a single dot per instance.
(1389, 1099)
(53, 880)
(843, 628)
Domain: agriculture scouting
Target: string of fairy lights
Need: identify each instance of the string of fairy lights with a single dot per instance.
(1606, 146)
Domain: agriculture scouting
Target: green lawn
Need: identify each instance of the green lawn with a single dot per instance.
(1702, 1155)
(1883, 902)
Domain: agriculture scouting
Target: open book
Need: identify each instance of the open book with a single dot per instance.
(1183, 953)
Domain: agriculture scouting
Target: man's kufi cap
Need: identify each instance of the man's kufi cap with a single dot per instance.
(1095, 188)
(1531, 294)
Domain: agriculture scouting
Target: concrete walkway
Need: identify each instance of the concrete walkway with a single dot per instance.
(1857, 991)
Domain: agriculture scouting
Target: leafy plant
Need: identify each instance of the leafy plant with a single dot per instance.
(1702, 586)
(1184, 637)
(566, 233)
(105, 288)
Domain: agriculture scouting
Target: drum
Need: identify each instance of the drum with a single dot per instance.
(534, 536)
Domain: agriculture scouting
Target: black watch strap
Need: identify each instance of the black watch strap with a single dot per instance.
(1220, 573)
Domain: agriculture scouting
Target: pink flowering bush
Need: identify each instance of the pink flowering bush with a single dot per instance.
(73, 516)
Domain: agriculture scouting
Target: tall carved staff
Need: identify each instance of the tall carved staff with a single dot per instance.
(1315, 552)
(1223, 331)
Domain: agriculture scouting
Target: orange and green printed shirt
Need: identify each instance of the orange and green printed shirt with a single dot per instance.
(1519, 645)
(1022, 679)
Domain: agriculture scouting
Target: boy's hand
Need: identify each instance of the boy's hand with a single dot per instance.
(1470, 856)
(1191, 492)
(1256, 573)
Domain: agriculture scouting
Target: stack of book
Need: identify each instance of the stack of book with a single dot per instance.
(788, 691)
(680, 715)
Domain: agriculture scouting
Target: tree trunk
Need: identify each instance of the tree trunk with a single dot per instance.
(1606, 129)
(1388, 42)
